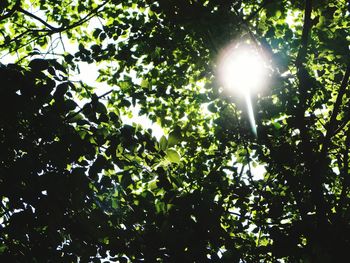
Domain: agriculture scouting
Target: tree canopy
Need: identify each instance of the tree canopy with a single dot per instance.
(78, 184)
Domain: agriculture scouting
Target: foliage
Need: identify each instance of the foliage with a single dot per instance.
(76, 183)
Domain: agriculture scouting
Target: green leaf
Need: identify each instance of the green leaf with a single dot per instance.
(144, 83)
(174, 139)
(39, 64)
(163, 143)
(212, 107)
(173, 156)
(70, 105)
(277, 125)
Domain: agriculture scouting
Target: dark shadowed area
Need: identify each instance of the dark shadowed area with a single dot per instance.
(78, 184)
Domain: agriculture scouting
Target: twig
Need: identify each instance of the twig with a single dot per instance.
(254, 13)
(245, 23)
(330, 125)
(341, 127)
(345, 176)
(6, 211)
(52, 30)
(79, 111)
(62, 43)
(93, 12)
(12, 11)
(20, 9)
(21, 46)
(212, 41)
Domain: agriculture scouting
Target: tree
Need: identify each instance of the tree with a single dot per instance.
(78, 183)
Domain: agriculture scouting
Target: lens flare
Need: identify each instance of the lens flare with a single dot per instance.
(242, 71)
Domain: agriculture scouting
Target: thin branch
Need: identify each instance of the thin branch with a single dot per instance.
(62, 43)
(257, 44)
(250, 175)
(320, 120)
(302, 73)
(3, 34)
(15, 38)
(212, 41)
(26, 44)
(43, 54)
(79, 111)
(6, 211)
(345, 176)
(332, 122)
(251, 220)
(341, 126)
(254, 13)
(91, 14)
(248, 218)
(61, 29)
(51, 48)
(24, 33)
(38, 19)
(12, 11)
(53, 30)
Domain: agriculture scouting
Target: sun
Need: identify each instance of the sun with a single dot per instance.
(242, 70)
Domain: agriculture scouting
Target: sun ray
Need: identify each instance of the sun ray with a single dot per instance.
(243, 72)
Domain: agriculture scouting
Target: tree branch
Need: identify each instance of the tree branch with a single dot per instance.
(93, 12)
(313, 165)
(341, 126)
(6, 211)
(50, 29)
(11, 12)
(302, 77)
(254, 13)
(345, 176)
(245, 24)
(330, 126)
(82, 109)
(20, 9)
(305, 34)
(302, 73)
